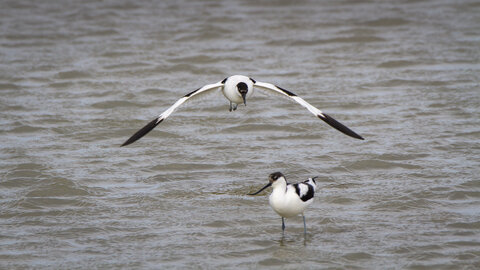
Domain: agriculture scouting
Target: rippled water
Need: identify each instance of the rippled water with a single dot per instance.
(77, 78)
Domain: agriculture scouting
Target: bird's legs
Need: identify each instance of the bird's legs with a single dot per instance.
(283, 224)
(233, 106)
(304, 226)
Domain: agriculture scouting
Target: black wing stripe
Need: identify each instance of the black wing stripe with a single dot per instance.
(191, 93)
(339, 126)
(286, 91)
(297, 189)
(142, 132)
(308, 195)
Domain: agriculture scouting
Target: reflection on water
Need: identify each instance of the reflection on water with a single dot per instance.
(292, 242)
(79, 78)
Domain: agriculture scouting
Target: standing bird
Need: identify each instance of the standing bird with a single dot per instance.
(289, 200)
(237, 89)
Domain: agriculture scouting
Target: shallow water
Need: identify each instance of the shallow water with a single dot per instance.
(77, 78)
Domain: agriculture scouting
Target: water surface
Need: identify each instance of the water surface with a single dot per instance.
(78, 78)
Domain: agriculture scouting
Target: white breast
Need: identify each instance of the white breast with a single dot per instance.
(230, 88)
(287, 204)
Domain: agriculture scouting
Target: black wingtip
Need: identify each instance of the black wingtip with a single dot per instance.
(339, 126)
(142, 132)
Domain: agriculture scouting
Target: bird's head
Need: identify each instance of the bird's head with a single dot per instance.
(242, 89)
(273, 179)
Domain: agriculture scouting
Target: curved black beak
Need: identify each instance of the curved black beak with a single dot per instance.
(269, 184)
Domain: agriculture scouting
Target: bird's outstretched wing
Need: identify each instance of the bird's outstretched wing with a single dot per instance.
(325, 117)
(143, 131)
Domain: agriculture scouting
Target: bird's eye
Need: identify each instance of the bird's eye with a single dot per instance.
(274, 176)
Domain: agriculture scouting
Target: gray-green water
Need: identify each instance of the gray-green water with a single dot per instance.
(77, 78)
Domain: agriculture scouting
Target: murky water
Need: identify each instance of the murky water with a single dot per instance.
(77, 78)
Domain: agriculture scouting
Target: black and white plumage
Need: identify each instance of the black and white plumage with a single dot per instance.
(237, 89)
(289, 200)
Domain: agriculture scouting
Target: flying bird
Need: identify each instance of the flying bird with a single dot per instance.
(237, 89)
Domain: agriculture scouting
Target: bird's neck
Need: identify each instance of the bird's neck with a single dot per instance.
(280, 186)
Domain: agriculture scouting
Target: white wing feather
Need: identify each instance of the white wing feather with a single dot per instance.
(286, 93)
(325, 117)
(152, 124)
(200, 91)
